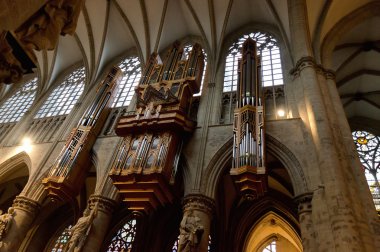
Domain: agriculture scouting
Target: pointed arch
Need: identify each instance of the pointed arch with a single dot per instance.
(222, 159)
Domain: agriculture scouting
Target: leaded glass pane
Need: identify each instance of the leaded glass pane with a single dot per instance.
(368, 147)
(271, 247)
(15, 107)
(131, 74)
(269, 51)
(62, 240)
(63, 98)
(123, 240)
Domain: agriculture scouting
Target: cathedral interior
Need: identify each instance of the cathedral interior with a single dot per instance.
(190, 125)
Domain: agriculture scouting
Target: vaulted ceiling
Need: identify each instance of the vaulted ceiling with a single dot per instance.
(108, 29)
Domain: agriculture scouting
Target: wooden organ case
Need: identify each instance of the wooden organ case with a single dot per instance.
(146, 161)
(68, 172)
(248, 165)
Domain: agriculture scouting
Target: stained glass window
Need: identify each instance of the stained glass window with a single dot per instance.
(368, 146)
(16, 106)
(186, 50)
(63, 98)
(270, 61)
(271, 247)
(132, 73)
(62, 240)
(123, 240)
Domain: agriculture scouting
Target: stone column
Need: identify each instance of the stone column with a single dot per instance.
(196, 222)
(346, 234)
(100, 223)
(25, 211)
(306, 222)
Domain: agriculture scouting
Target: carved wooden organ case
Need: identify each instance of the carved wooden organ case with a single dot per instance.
(248, 164)
(146, 161)
(68, 172)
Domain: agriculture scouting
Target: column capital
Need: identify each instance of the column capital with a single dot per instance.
(304, 202)
(199, 202)
(104, 204)
(26, 204)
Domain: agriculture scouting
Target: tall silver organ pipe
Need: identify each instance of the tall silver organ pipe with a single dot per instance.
(248, 166)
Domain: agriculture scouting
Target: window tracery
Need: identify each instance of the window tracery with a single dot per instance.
(132, 73)
(271, 77)
(62, 240)
(63, 98)
(269, 51)
(16, 106)
(368, 147)
(123, 240)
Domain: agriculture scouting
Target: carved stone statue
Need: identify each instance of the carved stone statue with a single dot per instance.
(190, 232)
(10, 67)
(56, 17)
(158, 110)
(5, 223)
(81, 230)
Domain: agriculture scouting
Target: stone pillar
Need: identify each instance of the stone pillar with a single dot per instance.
(342, 221)
(306, 223)
(100, 223)
(196, 223)
(25, 211)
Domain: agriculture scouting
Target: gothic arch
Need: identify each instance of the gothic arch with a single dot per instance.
(343, 26)
(222, 158)
(14, 165)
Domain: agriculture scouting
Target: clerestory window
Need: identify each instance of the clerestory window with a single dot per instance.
(63, 98)
(15, 107)
(131, 69)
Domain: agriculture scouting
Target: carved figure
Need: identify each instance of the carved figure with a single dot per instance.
(138, 112)
(190, 232)
(56, 17)
(149, 110)
(81, 230)
(10, 67)
(158, 110)
(5, 223)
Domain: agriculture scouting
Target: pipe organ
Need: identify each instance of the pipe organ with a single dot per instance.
(145, 164)
(68, 172)
(248, 164)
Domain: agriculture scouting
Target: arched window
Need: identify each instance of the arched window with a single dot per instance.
(187, 49)
(132, 73)
(62, 240)
(368, 146)
(15, 107)
(271, 77)
(63, 98)
(270, 61)
(271, 247)
(123, 239)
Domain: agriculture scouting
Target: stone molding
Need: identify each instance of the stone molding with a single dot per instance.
(304, 202)
(309, 61)
(10, 68)
(26, 204)
(199, 202)
(104, 204)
